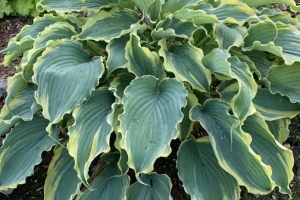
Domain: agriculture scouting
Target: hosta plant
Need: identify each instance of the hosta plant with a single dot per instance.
(144, 71)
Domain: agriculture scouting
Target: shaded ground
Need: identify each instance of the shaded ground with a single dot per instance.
(33, 189)
(9, 27)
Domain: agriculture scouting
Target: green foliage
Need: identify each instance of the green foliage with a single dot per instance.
(18, 7)
(146, 71)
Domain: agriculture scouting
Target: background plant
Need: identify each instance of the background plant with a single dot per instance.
(148, 70)
(18, 7)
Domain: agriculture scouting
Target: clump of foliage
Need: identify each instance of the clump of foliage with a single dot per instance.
(18, 7)
(147, 70)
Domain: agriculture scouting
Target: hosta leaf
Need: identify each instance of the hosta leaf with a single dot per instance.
(228, 89)
(202, 176)
(262, 32)
(260, 61)
(27, 62)
(239, 95)
(173, 27)
(122, 164)
(90, 134)
(280, 129)
(272, 153)
(282, 40)
(116, 54)
(74, 5)
(143, 5)
(54, 32)
(229, 35)
(22, 106)
(232, 11)
(186, 126)
(285, 80)
(154, 10)
(14, 49)
(15, 84)
(64, 81)
(95, 48)
(241, 103)
(231, 147)
(202, 36)
(107, 25)
(201, 96)
(152, 110)
(4, 128)
(23, 147)
(106, 180)
(158, 186)
(285, 18)
(54, 131)
(265, 2)
(113, 188)
(216, 62)
(198, 17)
(141, 60)
(172, 6)
(39, 24)
(185, 61)
(274, 106)
(118, 111)
(119, 84)
(243, 58)
(61, 173)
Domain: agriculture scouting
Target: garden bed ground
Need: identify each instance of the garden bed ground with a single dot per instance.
(33, 189)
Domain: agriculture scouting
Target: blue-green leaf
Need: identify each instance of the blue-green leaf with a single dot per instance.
(185, 61)
(202, 176)
(156, 186)
(64, 81)
(89, 136)
(152, 110)
(23, 147)
(61, 174)
(232, 147)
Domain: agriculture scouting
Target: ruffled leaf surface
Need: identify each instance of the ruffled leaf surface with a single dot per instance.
(106, 180)
(279, 128)
(74, 5)
(156, 186)
(62, 181)
(287, 86)
(152, 110)
(107, 25)
(23, 146)
(202, 176)
(141, 60)
(274, 106)
(232, 147)
(264, 144)
(59, 94)
(185, 62)
(89, 136)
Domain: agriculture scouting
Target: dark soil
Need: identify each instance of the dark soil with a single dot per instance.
(9, 27)
(33, 189)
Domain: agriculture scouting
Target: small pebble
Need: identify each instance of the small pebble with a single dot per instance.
(287, 145)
